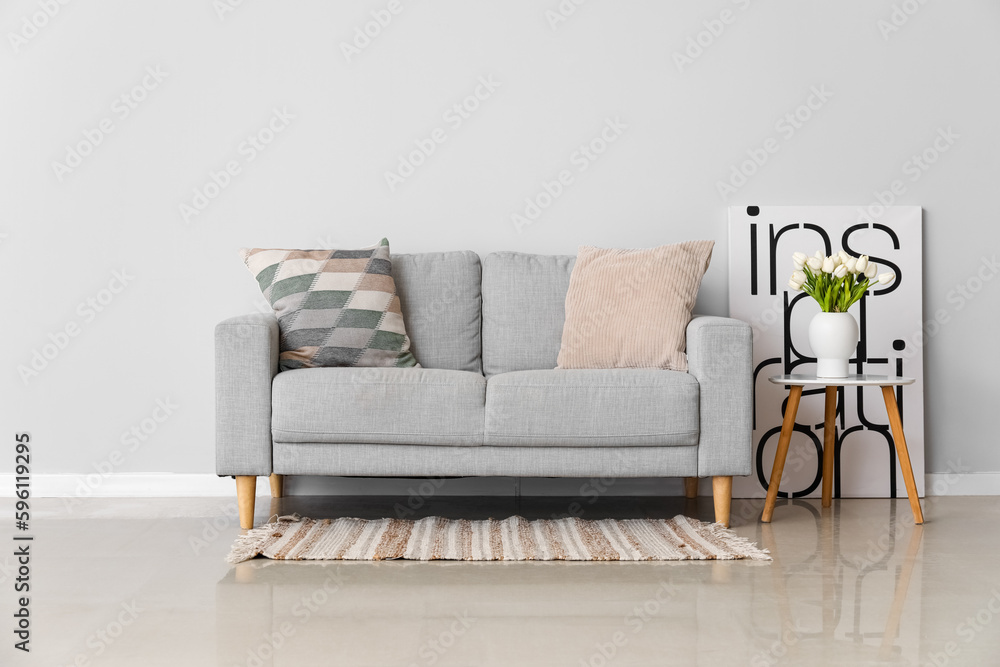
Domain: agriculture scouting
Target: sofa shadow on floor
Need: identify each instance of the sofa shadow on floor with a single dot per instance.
(487, 507)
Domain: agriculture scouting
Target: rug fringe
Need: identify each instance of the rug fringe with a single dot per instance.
(747, 547)
(251, 543)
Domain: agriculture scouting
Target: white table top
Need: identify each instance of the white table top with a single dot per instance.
(849, 381)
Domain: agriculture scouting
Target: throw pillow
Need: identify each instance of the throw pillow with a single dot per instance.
(334, 307)
(631, 308)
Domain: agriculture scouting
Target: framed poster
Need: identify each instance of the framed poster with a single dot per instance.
(761, 242)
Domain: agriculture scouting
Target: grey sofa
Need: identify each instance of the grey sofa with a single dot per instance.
(488, 400)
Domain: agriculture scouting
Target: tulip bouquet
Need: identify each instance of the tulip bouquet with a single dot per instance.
(837, 282)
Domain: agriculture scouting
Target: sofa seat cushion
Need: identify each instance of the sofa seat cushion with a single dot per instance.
(411, 406)
(592, 408)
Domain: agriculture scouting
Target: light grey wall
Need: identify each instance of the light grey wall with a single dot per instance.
(321, 181)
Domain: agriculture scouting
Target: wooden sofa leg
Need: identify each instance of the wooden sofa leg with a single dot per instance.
(277, 485)
(246, 493)
(690, 487)
(722, 493)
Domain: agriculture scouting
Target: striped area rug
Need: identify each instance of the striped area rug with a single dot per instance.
(512, 539)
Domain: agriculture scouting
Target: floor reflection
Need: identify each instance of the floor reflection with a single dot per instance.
(856, 584)
(863, 596)
(845, 580)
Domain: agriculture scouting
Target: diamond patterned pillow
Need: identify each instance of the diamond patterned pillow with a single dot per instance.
(334, 307)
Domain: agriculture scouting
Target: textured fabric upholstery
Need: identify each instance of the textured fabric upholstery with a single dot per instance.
(720, 353)
(524, 301)
(440, 295)
(414, 406)
(246, 359)
(592, 408)
(329, 424)
(428, 460)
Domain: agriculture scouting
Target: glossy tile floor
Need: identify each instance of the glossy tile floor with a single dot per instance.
(143, 582)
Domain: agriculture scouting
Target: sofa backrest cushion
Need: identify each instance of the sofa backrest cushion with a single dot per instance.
(442, 307)
(524, 306)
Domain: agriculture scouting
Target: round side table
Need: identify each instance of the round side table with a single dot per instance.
(796, 382)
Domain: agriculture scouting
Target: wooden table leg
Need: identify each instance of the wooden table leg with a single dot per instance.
(779, 456)
(889, 395)
(829, 444)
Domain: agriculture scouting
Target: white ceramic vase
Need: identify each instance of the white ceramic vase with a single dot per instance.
(833, 337)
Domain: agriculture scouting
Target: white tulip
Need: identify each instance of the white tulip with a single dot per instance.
(794, 285)
(799, 277)
(887, 278)
(843, 257)
(799, 260)
(862, 264)
(871, 270)
(836, 260)
(840, 272)
(851, 264)
(815, 263)
(828, 265)
(819, 255)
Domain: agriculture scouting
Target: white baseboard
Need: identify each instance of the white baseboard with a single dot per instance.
(962, 484)
(201, 485)
(124, 485)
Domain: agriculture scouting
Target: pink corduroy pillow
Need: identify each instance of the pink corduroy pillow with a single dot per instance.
(631, 308)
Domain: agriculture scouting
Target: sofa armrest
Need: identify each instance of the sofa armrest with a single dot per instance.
(720, 357)
(246, 361)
